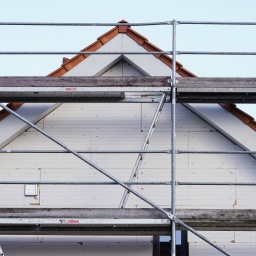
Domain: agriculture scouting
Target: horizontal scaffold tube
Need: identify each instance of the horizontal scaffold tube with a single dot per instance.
(75, 52)
(169, 183)
(83, 24)
(32, 151)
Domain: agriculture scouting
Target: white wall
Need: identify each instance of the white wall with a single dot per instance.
(124, 126)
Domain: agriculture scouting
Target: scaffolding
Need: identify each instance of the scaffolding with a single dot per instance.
(100, 89)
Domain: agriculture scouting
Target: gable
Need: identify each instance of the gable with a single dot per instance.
(121, 126)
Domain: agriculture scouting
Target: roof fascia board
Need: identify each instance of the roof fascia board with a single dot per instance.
(11, 127)
(226, 123)
(149, 64)
(96, 65)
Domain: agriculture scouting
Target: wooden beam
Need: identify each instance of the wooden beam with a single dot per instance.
(80, 89)
(112, 89)
(182, 83)
(216, 82)
(219, 219)
(17, 221)
(205, 219)
(78, 81)
(216, 90)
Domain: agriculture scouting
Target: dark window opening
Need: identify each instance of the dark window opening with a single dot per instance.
(162, 245)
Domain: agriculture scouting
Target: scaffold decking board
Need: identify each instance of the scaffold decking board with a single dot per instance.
(83, 81)
(114, 89)
(120, 221)
(215, 90)
(216, 82)
(82, 89)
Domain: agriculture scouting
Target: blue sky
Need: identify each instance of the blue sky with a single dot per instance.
(196, 37)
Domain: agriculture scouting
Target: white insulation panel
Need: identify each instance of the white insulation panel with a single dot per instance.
(78, 249)
(112, 126)
(235, 249)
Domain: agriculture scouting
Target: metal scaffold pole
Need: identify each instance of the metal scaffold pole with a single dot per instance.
(173, 137)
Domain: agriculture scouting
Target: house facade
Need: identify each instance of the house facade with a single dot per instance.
(124, 126)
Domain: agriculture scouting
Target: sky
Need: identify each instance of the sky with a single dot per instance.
(189, 37)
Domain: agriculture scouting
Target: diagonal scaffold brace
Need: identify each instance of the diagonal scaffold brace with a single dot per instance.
(170, 216)
(143, 148)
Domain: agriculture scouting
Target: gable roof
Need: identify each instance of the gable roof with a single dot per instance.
(68, 64)
(105, 38)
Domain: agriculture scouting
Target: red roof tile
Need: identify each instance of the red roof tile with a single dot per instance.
(105, 38)
(12, 106)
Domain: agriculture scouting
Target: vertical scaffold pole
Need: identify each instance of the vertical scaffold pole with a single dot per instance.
(173, 136)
